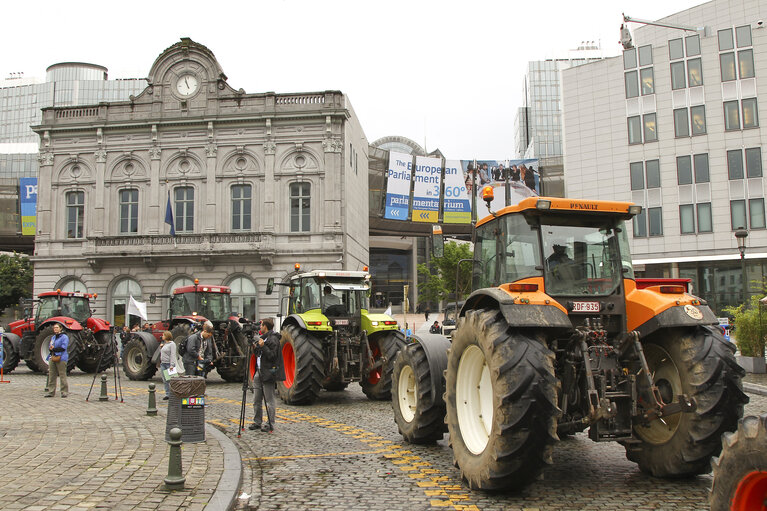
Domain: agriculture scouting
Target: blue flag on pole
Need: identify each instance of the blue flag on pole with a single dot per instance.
(169, 217)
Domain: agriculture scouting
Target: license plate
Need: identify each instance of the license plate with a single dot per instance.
(585, 306)
(342, 322)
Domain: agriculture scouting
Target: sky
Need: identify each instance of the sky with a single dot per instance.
(446, 74)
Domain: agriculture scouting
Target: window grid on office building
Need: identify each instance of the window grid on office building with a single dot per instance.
(639, 76)
(129, 211)
(686, 67)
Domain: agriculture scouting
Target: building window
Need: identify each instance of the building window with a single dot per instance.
(704, 217)
(693, 45)
(630, 59)
(738, 214)
(635, 130)
(647, 77)
(655, 218)
(300, 207)
(72, 285)
(675, 49)
(677, 75)
(727, 66)
(727, 55)
(694, 72)
(75, 214)
(129, 211)
(725, 40)
(683, 170)
(686, 72)
(184, 208)
(700, 161)
(641, 79)
(743, 36)
(746, 63)
(637, 175)
(632, 84)
(687, 218)
(698, 119)
(640, 224)
(756, 218)
(244, 297)
(754, 162)
(750, 116)
(650, 131)
(681, 126)
(121, 294)
(756, 213)
(241, 206)
(652, 168)
(735, 164)
(731, 115)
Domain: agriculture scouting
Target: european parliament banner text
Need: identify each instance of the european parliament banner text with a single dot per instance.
(428, 182)
(398, 186)
(28, 201)
(457, 206)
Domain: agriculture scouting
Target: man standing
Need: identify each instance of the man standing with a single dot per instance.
(199, 348)
(270, 371)
(57, 362)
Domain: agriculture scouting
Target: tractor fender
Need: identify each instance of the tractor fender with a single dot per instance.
(435, 346)
(296, 319)
(526, 315)
(678, 316)
(97, 325)
(14, 339)
(66, 323)
(150, 341)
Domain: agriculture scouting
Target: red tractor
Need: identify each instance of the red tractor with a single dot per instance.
(190, 307)
(88, 336)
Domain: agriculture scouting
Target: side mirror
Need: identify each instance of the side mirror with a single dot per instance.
(153, 298)
(270, 285)
(26, 312)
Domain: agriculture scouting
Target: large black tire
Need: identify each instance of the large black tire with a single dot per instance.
(137, 361)
(97, 357)
(304, 363)
(10, 356)
(233, 367)
(385, 346)
(501, 396)
(420, 416)
(740, 471)
(700, 364)
(41, 350)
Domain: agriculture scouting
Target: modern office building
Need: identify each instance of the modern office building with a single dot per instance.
(538, 124)
(673, 124)
(255, 181)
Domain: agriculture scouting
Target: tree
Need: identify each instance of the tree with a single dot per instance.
(15, 279)
(749, 334)
(439, 278)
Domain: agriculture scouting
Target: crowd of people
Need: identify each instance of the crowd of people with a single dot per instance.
(482, 174)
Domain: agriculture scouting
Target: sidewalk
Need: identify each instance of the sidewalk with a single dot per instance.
(69, 454)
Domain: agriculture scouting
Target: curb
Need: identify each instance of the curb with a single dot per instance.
(753, 388)
(226, 490)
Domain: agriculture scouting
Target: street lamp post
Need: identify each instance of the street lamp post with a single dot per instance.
(741, 235)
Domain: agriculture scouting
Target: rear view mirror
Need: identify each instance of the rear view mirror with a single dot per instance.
(270, 285)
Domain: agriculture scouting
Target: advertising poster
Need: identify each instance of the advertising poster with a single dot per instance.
(524, 180)
(398, 186)
(28, 202)
(428, 183)
(456, 202)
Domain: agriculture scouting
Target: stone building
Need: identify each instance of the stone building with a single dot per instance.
(256, 183)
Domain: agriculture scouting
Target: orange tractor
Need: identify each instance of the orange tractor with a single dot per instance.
(558, 337)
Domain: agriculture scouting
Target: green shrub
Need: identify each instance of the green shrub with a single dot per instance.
(749, 331)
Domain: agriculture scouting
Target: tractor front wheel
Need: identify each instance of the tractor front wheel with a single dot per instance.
(137, 361)
(377, 384)
(303, 360)
(701, 365)
(501, 398)
(98, 357)
(420, 416)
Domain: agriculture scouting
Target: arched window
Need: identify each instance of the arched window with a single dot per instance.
(244, 297)
(73, 285)
(121, 294)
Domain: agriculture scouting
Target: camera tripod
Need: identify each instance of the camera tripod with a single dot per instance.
(110, 347)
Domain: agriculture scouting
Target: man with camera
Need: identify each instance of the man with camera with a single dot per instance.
(270, 371)
(199, 351)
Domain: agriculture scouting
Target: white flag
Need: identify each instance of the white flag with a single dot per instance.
(388, 311)
(137, 308)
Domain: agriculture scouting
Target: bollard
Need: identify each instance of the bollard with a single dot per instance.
(103, 396)
(175, 479)
(152, 408)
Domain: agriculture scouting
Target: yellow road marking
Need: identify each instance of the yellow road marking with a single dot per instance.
(324, 455)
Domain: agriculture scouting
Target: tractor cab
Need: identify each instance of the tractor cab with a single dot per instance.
(340, 296)
(210, 302)
(65, 304)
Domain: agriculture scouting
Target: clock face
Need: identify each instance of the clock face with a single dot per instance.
(187, 85)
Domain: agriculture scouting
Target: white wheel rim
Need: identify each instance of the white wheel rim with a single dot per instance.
(474, 399)
(408, 400)
(45, 349)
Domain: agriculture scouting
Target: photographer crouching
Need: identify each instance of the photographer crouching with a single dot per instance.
(269, 371)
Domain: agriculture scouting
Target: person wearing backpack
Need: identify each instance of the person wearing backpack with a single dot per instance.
(198, 347)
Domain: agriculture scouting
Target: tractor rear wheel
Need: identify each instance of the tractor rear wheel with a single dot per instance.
(304, 363)
(420, 416)
(501, 398)
(740, 472)
(137, 361)
(377, 384)
(10, 356)
(232, 368)
(700, 364)
(99, 357)
(41, 350)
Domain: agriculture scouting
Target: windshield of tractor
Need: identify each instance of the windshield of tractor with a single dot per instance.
(344, 296)
(506, 250)
(585, 260)
(75, 307)
(212, 306)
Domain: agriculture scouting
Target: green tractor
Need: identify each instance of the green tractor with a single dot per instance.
(329, 339)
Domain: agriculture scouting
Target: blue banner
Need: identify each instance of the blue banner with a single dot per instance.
(28, 202)
(398, 186)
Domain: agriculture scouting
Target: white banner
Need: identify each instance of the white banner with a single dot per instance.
(398, 186)
(428, 183)
(137, 308)
(457, 204)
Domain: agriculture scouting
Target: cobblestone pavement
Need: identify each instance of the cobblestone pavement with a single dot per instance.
(69, 454)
